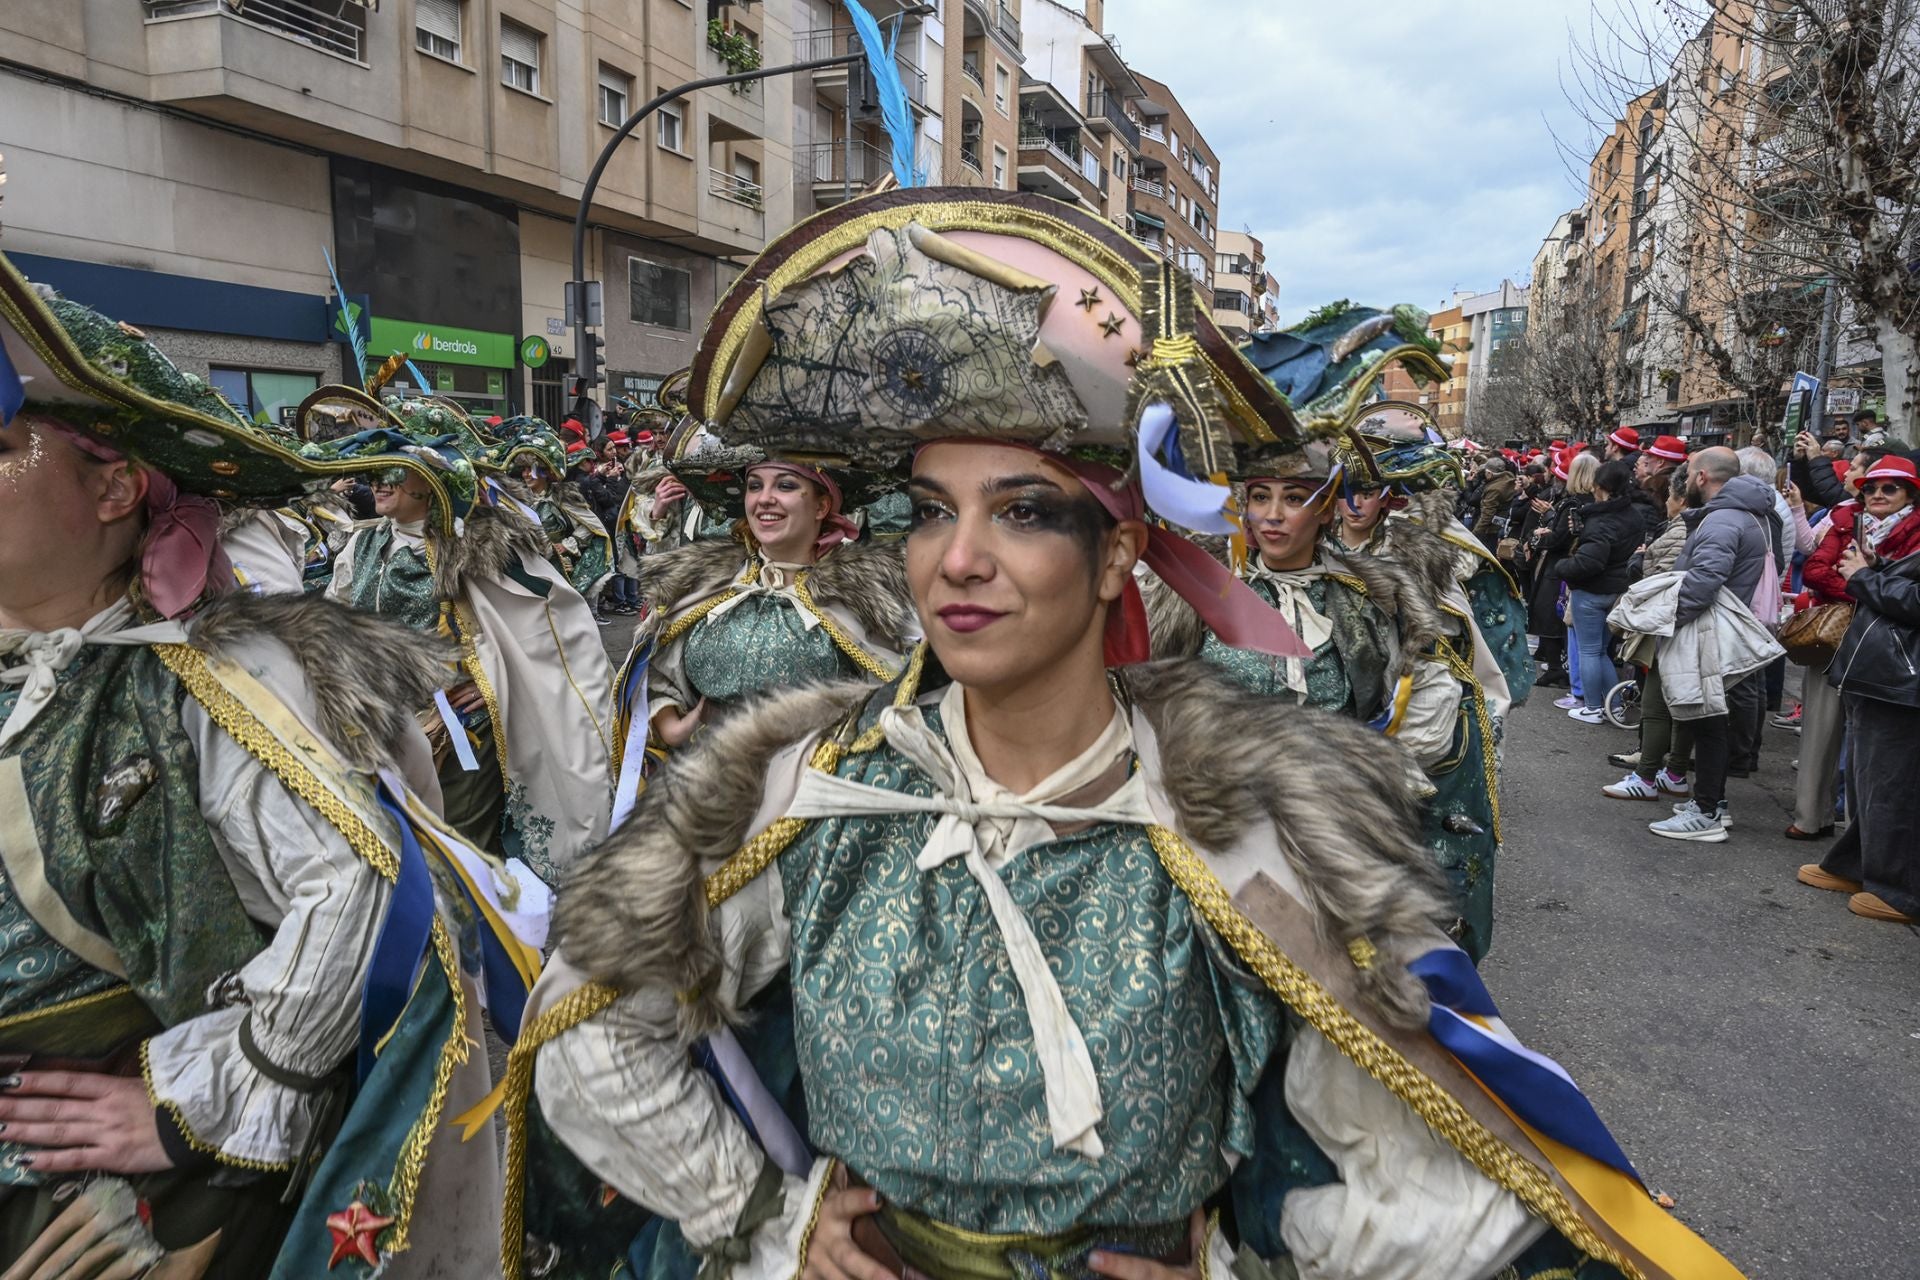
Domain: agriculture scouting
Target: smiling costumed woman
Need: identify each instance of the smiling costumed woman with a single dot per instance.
(217, 895)
(1051, 964)
(789, 599)
(522, 729)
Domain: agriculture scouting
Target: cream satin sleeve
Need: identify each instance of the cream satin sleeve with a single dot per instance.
(624, 1096)
(1426, 726)
(293, 1011)
(1408, 1205)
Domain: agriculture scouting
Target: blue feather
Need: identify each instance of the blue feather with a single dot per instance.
(353, 330)
(896, 116)
(419, 379)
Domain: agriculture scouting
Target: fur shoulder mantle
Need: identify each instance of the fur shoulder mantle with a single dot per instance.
(1402, 594)
(366, 676)
(1333, 795)
(866, 579)
(492, 540)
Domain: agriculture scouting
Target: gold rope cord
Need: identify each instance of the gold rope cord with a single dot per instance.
(1462, 668)
(578, 1006)
(844, 642)
(1433, 1104)
(413, 1153)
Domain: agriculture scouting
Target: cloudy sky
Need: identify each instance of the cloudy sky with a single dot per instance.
(1386, 152)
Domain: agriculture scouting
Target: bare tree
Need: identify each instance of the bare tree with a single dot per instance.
(1563, 377)
(1785, 164)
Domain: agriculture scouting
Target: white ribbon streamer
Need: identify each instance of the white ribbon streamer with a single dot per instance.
(457, 732)
(1192, 504)
(777, 580)
(980, 824)
(1296, 606)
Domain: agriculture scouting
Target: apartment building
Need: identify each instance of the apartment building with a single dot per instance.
(960, 61)
(1496, 323)
(1446, 401)
(1245, 294)
(1078, 140)
(190, 165)
(1177, 184)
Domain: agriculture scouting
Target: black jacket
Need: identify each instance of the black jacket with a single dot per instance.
(1819, 486)
(1880, 656)
(1610, 532)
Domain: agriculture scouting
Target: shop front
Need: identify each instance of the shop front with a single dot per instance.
(472, 366)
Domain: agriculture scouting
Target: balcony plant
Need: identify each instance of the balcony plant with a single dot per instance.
(737, 53)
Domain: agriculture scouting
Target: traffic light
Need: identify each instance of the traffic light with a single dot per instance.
(590, 361)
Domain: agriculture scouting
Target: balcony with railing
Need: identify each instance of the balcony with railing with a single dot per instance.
(731, 186)
(1147, 186)
(1051, 162)
(1154, 130)
(840, 168)
(336, 28)
(1104, 111)
(970, 67)
(1007, 25)
(828, 42)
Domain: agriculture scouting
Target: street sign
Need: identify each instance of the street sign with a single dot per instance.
(556, 327)
(583, 303)
(1843, 400)
(534, 351)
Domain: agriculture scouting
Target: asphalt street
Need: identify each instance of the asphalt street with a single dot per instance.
(1754, 1046)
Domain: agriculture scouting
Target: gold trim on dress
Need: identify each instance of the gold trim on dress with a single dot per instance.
(1444, 1113)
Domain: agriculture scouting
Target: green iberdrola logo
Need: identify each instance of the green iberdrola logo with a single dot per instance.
(534, 351)
(426, 340)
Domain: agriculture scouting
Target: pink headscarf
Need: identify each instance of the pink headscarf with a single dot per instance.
(183, 555)
(836, 528)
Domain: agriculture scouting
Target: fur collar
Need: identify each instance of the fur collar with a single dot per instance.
(866, 579)
(366, 674)
(1176, 631)
(634, 911)
(491, 541)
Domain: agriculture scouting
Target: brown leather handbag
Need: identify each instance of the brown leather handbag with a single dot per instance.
(1812, 636)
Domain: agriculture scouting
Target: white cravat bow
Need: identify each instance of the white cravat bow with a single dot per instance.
(1295, 605)
(982, 824)
(776, 579)
(35, 659)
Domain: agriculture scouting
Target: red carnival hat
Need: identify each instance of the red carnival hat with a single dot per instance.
(1672, 448)
(1626, 438)
(1895, 467)
(616, 437)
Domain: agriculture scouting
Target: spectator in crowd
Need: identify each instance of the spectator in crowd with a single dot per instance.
(1727, 545)
(1595, 571)
(1749, 734)
(1886, 509)
(1558, 524)
(1665, 757)
(1489, 523)
(1623, 444)
(1877, 861)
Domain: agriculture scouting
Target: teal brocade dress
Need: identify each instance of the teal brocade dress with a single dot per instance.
(758, 645)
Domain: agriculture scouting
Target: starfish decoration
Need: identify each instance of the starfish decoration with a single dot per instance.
(1113, 324)
(1089, 299)
(354, 1231)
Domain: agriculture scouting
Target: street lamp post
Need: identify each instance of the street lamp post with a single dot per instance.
(583, 297)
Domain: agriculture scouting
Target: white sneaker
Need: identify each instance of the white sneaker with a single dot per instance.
(1587, 715)
(1631, 787)
(1688, 823)
(1723, 813)
(1674, 784)
(1569, 702)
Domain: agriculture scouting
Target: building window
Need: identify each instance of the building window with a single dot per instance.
(262, 394)
(616, 91)
(671, 126)
(1002, 83)
(658, 295)
(519, 57)
(999, 166)
(436, 28)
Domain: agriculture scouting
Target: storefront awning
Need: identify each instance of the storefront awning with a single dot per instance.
(1150, 220)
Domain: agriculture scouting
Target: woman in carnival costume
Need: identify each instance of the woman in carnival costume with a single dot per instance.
(534, 456)
(523, 728)
(788, 599)
(1408, 518)
(1050, 963)
(234, 1006)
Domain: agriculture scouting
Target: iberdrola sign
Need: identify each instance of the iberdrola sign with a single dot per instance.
(441, 343)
